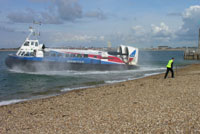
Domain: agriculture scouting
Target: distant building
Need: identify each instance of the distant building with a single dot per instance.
(163, 47)
(193, 53)
(192, 48)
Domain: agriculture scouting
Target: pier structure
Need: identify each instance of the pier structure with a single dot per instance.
(191, 53)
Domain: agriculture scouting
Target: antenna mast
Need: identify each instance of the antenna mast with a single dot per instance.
(33, 30)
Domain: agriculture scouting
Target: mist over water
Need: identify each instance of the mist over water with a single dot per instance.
(17, 85)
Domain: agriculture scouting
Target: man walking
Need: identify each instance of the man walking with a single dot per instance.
(170, 68)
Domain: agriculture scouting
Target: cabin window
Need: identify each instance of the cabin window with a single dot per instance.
(46, 54)
(53, 54)
(85, 55)
(26, 43)
(79, 55)
(31, 54)
(67, 55)
(107, 58)
(95, 56)
(32, 43)
(59, 55)
(34, 52)
(26, 54)
(22, 54)
(36, 44)
(73, 55)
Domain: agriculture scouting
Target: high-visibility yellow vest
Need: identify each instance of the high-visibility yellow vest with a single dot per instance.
(169, 65)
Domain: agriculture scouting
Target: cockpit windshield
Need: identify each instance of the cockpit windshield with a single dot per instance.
(26, 43)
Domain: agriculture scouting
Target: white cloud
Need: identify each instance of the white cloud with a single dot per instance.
(162, 30)
(144, 37)
(188, 32)
(192, 11)
(62, 11)
(191, 19)
(138, 30)
(162, 34)
(186, 35)
(65, 38)
(84, 38)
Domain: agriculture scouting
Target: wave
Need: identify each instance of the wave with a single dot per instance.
(114, 81)
(75, 88)
(134, 78)
(150, 74)
(2, 103)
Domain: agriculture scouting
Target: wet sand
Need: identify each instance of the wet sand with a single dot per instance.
(147, 105)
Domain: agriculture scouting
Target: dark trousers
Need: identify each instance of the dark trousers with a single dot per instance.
(171, 70)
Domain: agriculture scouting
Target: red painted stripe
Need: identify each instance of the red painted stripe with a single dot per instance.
(110, 58)
(130, 59)
(115, 59)
(93, 56)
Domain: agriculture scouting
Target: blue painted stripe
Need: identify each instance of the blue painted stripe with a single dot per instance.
(28, 58)
(62, 59)
(133, 53)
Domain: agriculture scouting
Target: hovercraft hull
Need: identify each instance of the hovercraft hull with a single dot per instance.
(40, 64)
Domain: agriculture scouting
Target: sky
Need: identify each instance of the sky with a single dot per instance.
(94, 23)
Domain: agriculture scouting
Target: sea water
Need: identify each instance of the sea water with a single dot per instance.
(16, 85)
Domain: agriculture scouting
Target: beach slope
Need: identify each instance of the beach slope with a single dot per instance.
(148, 105)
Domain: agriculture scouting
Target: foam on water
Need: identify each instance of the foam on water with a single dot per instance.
(76, 88)
(134, 78)
(12, 101)
(71, 72)
(114, 81)
(150, 74)
(68, 72)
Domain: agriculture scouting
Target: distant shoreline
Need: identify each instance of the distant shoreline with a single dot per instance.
(162, 49)
(143, 49)
(8, 49)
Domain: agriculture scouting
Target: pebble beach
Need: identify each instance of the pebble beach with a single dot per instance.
(147, 105)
